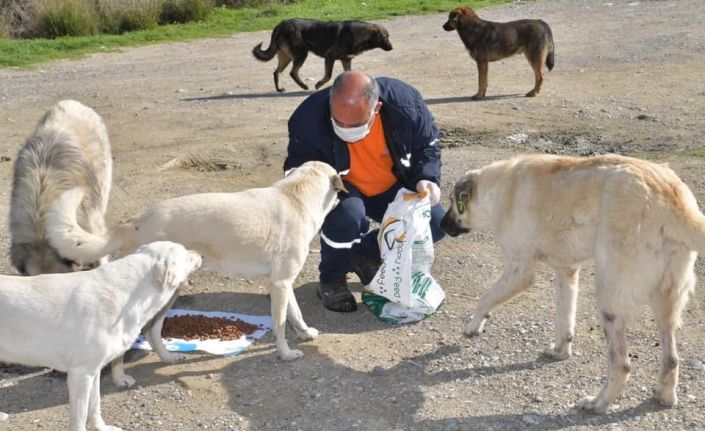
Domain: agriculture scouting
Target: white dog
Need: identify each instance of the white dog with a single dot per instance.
(637, 220)
(68, 149)
(265, 231)
(80, 321)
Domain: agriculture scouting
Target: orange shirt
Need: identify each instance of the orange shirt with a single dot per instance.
(370, 162)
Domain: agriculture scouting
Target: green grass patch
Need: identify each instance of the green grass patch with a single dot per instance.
(220, 22)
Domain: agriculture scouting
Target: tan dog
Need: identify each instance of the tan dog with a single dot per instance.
(265, 231)
(488, 41)
(636, 219)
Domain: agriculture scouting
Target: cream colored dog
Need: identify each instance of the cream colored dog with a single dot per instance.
(78, 322)
(263, 231)
(68, 149)
(637, 220)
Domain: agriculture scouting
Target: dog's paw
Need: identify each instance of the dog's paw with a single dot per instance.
(474, 329)
(172, 358)
(109, 428)
(477, 96)
(560, 354)
(471, 332)
(308, 334)
(532, 93)
(665, 397)
(291, 355)
(281, 90)
(124, 381)
(592, 404)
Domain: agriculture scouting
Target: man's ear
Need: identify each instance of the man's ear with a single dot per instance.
(338, 184)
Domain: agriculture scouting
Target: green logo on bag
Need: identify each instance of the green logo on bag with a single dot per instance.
(420, 284)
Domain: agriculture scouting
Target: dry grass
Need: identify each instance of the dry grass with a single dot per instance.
(119, 16)
(57, 18)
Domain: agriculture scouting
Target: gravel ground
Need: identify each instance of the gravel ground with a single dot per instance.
(202, 116)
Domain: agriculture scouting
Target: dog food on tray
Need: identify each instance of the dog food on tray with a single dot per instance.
(193, 327)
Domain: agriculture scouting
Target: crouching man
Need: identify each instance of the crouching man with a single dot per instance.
(380, 136)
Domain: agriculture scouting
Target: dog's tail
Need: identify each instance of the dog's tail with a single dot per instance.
(70, 239)
(688, 225)
(551, 57)
(268, 54)
(689, 229)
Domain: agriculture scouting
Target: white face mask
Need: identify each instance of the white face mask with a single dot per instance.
(353, 134)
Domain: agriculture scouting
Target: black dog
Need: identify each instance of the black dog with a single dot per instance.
(292, 39)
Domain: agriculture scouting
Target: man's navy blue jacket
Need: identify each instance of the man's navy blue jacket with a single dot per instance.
(410, 131)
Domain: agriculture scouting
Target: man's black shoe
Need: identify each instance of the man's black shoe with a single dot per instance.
(365, 267)
(336, 296)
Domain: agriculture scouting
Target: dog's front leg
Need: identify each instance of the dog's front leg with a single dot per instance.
(618, 360)
(79, 383)
(303, 331)
(482, 71)
(278, 294)
(153, 333)
(95, 419)
(566, 286)
(516, 277)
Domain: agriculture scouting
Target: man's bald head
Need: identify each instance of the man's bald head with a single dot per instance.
(352, 97)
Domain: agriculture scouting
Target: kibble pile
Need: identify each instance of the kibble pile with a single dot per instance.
(190, 327)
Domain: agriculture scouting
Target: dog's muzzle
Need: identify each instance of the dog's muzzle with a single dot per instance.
(450, 225)
(448, 26)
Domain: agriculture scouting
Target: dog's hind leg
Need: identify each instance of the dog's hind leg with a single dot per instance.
(299, 58)
(566, 285)
(536, 59)
(619, 367)
(516, 277)
(95, 419)
(329, 62)
(279, 291)
(667, 304)
(482, 72)
(283, 61)
(117, 369)
(80, 384)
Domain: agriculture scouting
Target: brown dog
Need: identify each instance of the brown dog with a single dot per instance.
(491, 41)
(292, 39)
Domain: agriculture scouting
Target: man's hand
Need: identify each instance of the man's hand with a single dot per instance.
(433, 189)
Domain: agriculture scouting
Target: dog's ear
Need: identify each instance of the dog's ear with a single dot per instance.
(167, 272)
(463, 193)
(338, 184)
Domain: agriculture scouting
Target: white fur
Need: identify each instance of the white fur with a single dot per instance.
(637, 220)
(68, 149)
(78, 322)
(264, 231)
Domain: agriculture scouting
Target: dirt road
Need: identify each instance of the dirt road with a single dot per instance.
(202, 116)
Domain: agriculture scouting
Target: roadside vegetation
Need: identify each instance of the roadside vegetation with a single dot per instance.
(34, 31)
